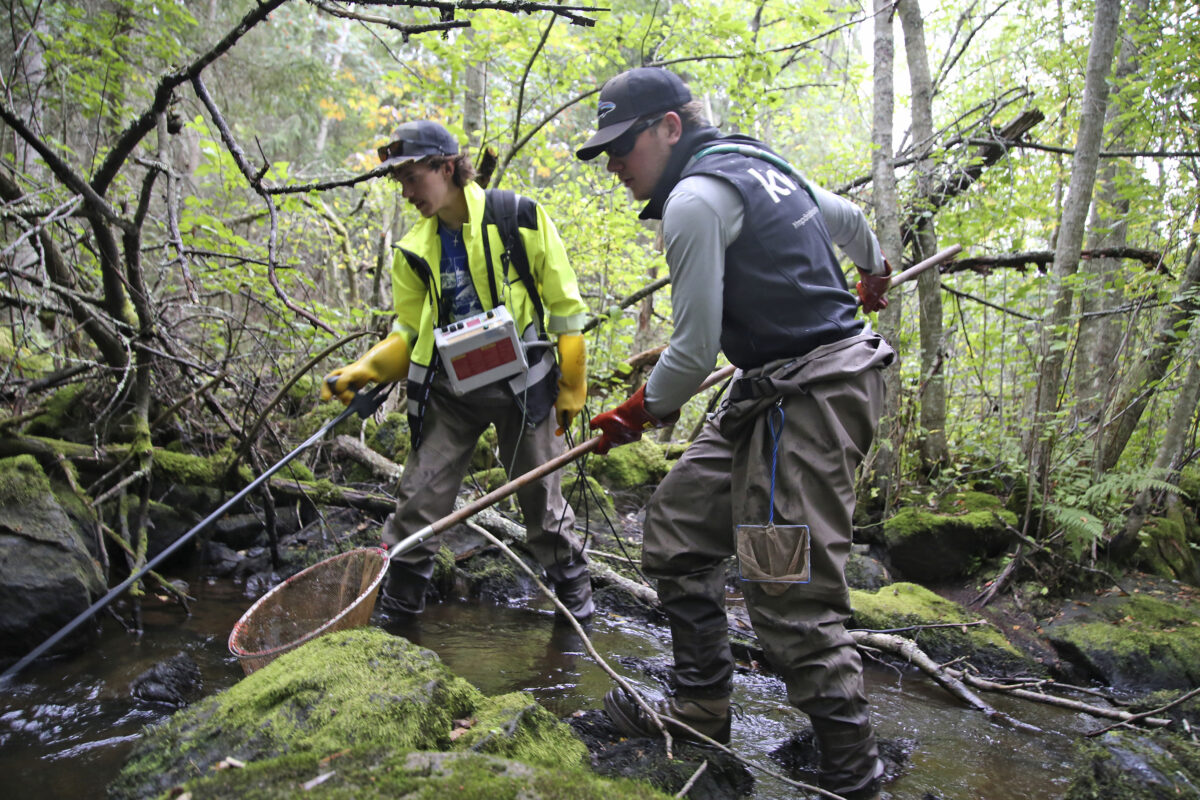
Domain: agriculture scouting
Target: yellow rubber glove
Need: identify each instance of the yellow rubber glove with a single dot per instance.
(386, 362)
(572, 386)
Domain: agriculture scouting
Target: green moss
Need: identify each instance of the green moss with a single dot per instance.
(59, 412)
(962, 513)
(515, 726)
(640, 463)
(1133, 765)
(391, 438)
(360, 774)
(1164, 547)
(590, 500)
(365, 706)
(902, 605)
(21, 480)
(1135, 641)
(484, 457)
(188, 469)
(488, 479)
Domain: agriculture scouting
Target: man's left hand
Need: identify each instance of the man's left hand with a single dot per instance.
(572, 386)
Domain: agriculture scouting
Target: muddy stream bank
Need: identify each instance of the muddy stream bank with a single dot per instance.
(67, 726)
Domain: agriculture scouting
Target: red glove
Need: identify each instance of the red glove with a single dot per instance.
(871, 288)
(626, 422)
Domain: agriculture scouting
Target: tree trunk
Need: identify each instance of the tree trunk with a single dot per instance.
(1171, 330)
(1172, 451)
(1053, 345)
(934, 451)
(1100, 336)
(887, 229)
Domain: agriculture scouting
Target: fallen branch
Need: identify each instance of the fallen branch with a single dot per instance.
(950, 680)
(1146, 715)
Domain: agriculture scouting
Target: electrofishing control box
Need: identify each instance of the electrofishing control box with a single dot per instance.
(481, 350)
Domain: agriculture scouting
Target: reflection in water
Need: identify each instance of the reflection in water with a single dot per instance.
(66, 727)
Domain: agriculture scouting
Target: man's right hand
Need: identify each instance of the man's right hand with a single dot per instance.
(386, 362)
(626, 422)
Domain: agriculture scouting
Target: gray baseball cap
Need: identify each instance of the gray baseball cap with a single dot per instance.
(416, 140)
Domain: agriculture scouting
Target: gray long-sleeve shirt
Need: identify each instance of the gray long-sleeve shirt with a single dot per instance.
(702, 216)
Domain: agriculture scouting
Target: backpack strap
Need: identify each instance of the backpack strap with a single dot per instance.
(500, 209)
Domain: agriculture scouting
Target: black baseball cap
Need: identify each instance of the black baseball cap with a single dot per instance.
(416, 140)
(627, 98)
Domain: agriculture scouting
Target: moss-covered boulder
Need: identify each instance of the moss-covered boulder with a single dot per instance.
(1165, 545)
(948, 542)
(391, 439)
(1135, 642)
(363, 714)
(590, 501)
(640, 463)
(909, 606)
(1135, 765)
(48, 574)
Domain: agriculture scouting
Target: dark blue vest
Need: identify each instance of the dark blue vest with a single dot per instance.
(784, 292)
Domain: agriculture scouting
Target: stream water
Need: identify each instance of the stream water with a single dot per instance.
(67, 726)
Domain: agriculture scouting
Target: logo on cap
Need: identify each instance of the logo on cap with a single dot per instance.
(605, 107)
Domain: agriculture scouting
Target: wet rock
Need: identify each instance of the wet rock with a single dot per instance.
(47, 572)
(1133, 643)
(366, 715)
(220, 560)
(1135, 765)
(864, 571)
(949, 542)
(176, 681)
(799, 756)
(613, 755)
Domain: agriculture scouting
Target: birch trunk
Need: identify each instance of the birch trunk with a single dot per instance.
(887, 229)
(932, 438)
(1100, 336)
(1053, 344)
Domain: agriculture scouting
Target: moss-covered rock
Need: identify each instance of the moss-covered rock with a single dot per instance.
(590, 501)
(61, 413)
(1165, 545)
(392, 439)
(627, 467)
(907, 605)
(488, 480)
(380, 717)
(1135, 765)
(1135, 643)
(948, 542)
(48, 574)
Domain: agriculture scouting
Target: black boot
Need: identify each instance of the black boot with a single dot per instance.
(403, 591)
(709, 716)
(576, 594)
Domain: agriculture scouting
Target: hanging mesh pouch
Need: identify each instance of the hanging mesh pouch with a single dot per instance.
(775, 556)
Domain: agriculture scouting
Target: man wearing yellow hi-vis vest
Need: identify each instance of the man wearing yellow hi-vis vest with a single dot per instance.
(487, 331)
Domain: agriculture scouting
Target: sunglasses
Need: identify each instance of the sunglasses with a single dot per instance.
(623, 144)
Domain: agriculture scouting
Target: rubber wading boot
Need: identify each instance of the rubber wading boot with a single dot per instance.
(576, 595)
(403, 591)
(709, 716)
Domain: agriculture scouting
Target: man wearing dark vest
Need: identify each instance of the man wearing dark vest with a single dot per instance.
(749, 246)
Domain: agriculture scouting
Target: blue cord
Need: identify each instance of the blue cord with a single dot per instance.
(775, 434)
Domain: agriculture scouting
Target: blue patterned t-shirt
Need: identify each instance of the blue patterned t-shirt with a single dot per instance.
(457, 286)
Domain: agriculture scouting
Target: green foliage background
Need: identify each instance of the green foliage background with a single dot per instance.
(309, 96)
